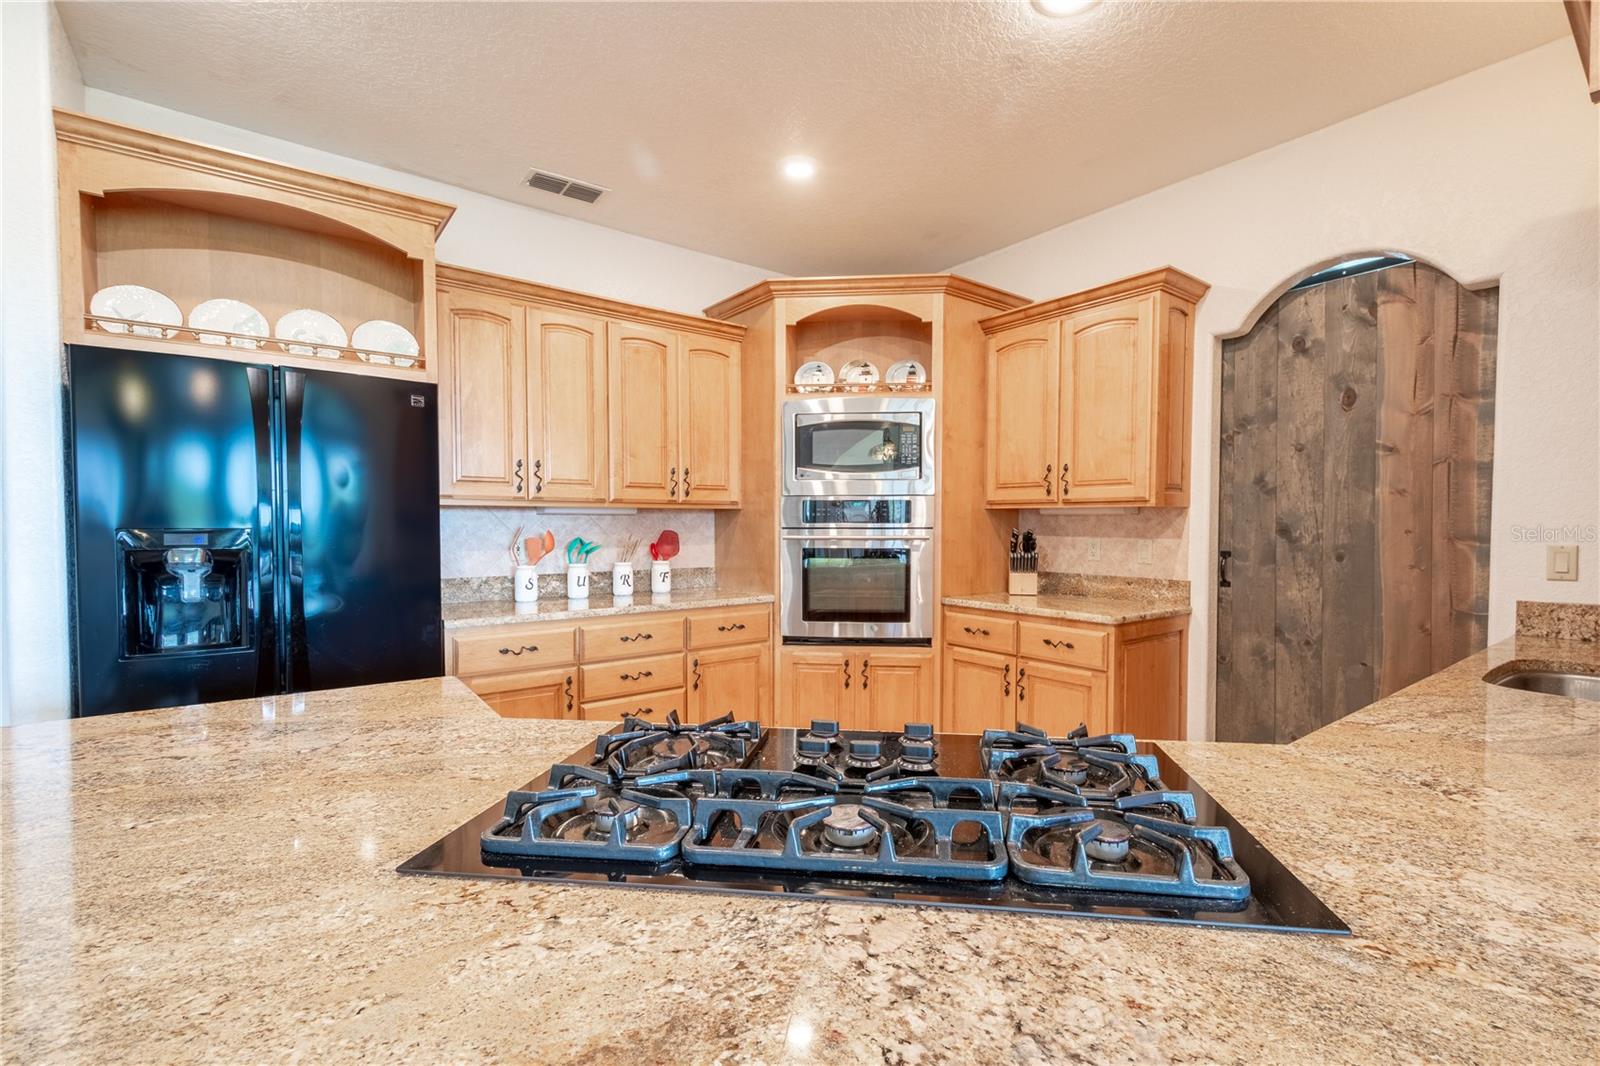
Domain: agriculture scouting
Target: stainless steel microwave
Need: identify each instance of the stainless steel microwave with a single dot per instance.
(858, 446)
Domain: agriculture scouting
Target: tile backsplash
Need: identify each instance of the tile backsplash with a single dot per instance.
(1066, 542)
(474, 541)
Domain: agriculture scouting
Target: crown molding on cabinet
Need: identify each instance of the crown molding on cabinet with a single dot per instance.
(1167, 279)
(866, 285)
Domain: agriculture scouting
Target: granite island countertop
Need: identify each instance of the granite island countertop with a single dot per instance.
(218, 882)
(557, 609)
(1104, 609)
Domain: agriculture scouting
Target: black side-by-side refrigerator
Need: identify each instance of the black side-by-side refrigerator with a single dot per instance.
(243, 530)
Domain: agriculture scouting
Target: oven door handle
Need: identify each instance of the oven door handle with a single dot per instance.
(885, 538)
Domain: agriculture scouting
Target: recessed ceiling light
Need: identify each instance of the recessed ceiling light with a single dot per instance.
(799, 168)
(1061, 8)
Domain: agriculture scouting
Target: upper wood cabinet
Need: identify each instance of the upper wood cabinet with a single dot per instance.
(1089, 396)
(552, 397)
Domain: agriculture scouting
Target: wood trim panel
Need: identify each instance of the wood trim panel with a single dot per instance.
(864, 285)
(1167, 279)
(1582, 17)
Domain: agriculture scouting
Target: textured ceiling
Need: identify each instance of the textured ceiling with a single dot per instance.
(941, 130)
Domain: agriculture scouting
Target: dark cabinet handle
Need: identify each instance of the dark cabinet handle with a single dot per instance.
(644, 710)
(538, 478)
(640, 676)
(847, 673)
(519, 651)
(638, 636)
(730, 629)
(1047, 482)
(673, 491)
(1022, 672)
(1057, 643)
(971, 632)
(1224, 559)
(569, 692)
(695, 666)
(864, 664)
(686, 489)
(1065, 488)
(1007, 692)
(519, 475)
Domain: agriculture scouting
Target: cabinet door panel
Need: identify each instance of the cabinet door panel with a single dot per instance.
(644, 414)
(895, 688)
(482, 426)
(709, 413)
(1059, 698)
(534, 694)
(566, 407)
(735, 681)
(815, 687)
(1024, 375)
(1106, 402)
(979, 691)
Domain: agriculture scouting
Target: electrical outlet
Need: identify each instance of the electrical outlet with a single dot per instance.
(1146, 552)
(1094, 549)
(1561, 562)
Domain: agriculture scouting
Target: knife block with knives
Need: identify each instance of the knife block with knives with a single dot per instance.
(1022, 565)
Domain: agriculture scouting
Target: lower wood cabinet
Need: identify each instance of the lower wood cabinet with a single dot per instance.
(734, 680)
(532, 694)
(862, 687)
(1127, 678)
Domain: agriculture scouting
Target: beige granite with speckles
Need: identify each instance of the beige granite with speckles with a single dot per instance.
(1103, 609)
(1562, 621)
(500, 612)
(217, 884)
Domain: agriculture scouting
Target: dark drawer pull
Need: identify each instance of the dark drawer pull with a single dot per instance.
(1057, 643)
(971, 632)
(519, 651)
(640, 676)
(638, 636)
(730, 629)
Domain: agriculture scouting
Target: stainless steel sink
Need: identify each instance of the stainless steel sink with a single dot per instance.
(1570, 683)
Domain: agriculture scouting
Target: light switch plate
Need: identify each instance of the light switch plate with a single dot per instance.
(1561, 562)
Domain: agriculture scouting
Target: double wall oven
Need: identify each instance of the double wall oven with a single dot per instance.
(857, 520)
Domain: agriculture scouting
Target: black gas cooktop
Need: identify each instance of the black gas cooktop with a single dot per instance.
(1017, 820)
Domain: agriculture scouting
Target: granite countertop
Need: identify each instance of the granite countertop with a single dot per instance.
(548, 609)
(218, 882)
(1104, 609)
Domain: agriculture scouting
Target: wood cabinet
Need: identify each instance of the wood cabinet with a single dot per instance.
(1127, 678)
(861, 687)
(552, 397)
(1089, 396)
(614, 666)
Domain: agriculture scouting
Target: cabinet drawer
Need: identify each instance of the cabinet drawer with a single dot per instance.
(736, 625)
(631, 638)
(981, 631)
(625, 677)
(529, 693)
(654, 706)
(1062, 644)
(498, 650)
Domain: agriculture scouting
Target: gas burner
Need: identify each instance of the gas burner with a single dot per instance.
(591, 822)
(777, 784)
(733, 740)
(1109, 850)
(869, 835)
(954, 793)
(1099, 773)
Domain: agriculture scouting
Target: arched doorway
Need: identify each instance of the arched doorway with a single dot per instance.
(1356, 450)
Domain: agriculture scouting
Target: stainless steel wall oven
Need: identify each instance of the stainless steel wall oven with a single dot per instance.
(857, 570)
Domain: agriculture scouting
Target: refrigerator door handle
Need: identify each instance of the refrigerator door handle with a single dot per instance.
(298, 657)
(266, 549)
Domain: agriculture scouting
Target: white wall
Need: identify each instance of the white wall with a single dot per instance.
(1491, 176)
(36, 71)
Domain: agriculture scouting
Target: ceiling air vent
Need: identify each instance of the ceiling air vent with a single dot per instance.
(545, 181)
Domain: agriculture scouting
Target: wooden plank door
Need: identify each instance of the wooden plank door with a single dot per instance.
(1059, 698)
(482, 423)
(1024, 387)
(895, 687)
(709, 417)
(566, 407)
(644, 413)
(735, 680)
(816, 685)
(979, 691)
(1107, 410)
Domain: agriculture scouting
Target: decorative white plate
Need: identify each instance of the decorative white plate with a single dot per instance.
(232, 316)
(315, 327)
(391, 338)
(858, 372)
(138, 303)
(815, 372)
(906, 372)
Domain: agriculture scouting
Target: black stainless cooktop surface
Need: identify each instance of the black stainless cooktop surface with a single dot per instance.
(1103, 826)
